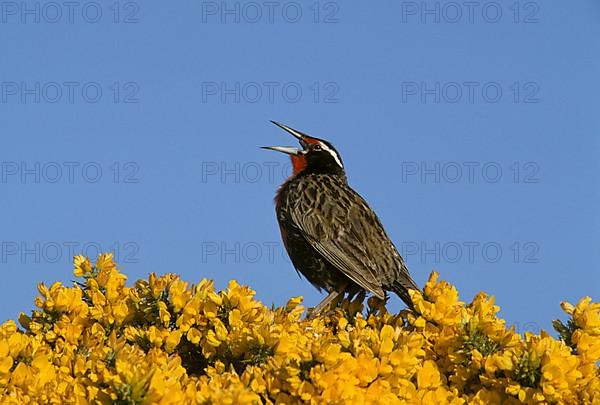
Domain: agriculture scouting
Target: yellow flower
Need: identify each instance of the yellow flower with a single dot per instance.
(428, 377)
(6, 361)
(194, 335)
(44, 369)
(172, 341)
(82, 266)
(163, 341)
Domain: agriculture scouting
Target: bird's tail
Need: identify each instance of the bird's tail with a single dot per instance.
(402, 284)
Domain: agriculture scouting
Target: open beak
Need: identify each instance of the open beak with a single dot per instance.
(289, 149)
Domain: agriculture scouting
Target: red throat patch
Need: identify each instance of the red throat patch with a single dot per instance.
(299, 163)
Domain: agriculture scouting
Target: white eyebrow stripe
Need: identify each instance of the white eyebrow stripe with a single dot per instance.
(333, 153)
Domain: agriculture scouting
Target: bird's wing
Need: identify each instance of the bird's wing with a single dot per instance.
(348, 234)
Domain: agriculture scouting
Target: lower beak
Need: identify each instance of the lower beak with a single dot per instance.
(285, 149)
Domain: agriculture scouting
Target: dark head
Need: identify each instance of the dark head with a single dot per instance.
(316, 155)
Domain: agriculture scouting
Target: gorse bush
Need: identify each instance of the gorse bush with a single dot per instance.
(164, 341)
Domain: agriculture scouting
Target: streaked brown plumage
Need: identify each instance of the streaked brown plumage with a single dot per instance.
(331, 235)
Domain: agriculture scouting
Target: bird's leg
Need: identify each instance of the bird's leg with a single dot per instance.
(326, 303)
(333, 296)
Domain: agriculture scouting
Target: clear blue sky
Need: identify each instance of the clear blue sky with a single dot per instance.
(471, 130)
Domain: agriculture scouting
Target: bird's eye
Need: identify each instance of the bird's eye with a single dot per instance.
(317, 148)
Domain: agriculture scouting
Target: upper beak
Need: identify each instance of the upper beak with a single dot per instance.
(297, 134)
(288, 149)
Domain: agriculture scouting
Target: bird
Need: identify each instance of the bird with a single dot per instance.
(332, 236)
